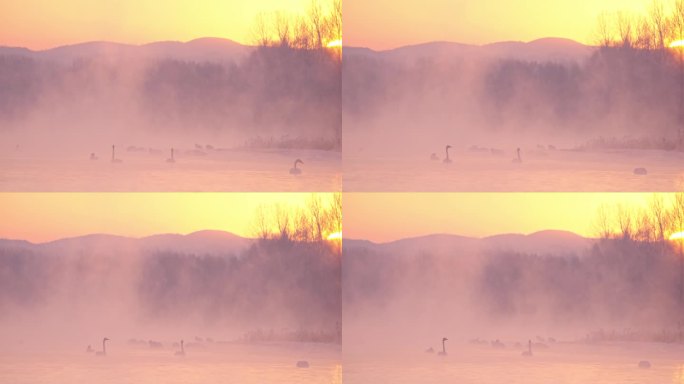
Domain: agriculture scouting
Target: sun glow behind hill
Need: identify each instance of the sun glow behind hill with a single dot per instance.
(335, 236)
(677, 44)
(41, 217)
(335, 44)
(383, 217)
(133, 21)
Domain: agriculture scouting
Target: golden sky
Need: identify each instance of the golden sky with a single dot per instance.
(382, 217)
(383, 24)
(40, 217)
(41, 24)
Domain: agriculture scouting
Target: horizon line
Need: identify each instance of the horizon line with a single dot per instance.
(133, 237)
(481, 237)
(5, 45)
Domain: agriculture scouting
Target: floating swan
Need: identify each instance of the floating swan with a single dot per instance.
(640, 171)
(528, 353)
(171, 159)
(114, 159)
(302, 364)
(294, 170)
(103, 352)
(182, 351)
(517, 159)
(92, 156)
(447, 160)
(443, 351)
(644, 364)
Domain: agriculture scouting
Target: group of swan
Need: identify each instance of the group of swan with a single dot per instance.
(641, 171)
(447, 160)
(293, 171)
(103, 352)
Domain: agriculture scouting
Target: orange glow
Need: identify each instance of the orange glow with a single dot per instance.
(40, 217)
(385, 24)
(334, 44)
(677, 236)
(335, 236)
(42, 24)
(390, 216)
(676, 44)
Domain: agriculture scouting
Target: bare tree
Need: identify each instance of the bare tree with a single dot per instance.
(602, 223)
(658, 23)
(659, 217)
(314, 223)
(316, 20)
(261, 31)
(625, 29)
(604, 35)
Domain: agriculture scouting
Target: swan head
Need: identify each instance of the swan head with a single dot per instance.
(298, 161)
(444, 339)
(448, 146)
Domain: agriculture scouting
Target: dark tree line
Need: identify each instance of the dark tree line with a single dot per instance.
(616, 281)
(276, 91)
(616, 91)
(297, 283)
(274, 283)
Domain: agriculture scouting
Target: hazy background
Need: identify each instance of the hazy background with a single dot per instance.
(584, 114)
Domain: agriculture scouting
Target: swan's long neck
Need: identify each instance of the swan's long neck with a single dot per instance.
(104, 346)
(295, 164)
(182, 348)
(443, 346)
(519, 154)
(529, 346)
(171, 153)
(112, 152)
(447, 156)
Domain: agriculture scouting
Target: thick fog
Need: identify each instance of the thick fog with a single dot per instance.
(477, 99)
(72, 293)
(101, 93)
(209, 114)
(408, 298)
(591, 117)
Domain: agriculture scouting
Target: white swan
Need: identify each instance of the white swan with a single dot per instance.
(171, 159)
(294, 170)
(443, 351)
(114, 159)
(182, 351)
(447, 160)
(528, 353)
(517, 159)
(103, 352)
